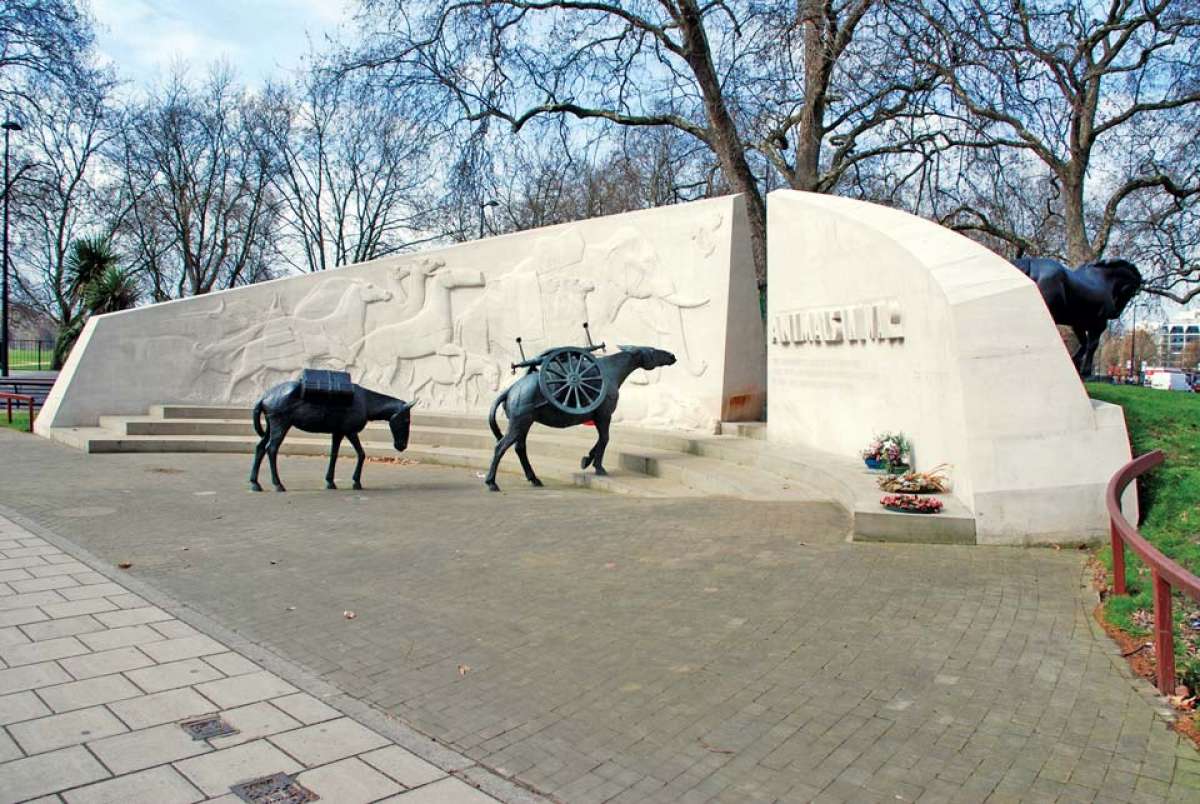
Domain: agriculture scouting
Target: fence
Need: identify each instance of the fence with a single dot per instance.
(9, 399)
(30, 355)
(1164, 573)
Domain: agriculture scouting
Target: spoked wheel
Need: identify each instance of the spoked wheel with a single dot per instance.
(571, 379)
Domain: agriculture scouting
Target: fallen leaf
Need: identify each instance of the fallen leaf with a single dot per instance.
(349, 615)
(125, 565)
(291, 608)
(463, 669)
(714, 749)
(274, 562)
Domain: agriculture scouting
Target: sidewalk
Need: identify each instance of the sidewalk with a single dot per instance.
(95, 681)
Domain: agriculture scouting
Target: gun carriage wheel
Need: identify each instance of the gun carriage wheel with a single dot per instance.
(571, 379)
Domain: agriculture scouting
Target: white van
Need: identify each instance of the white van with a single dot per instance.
(1170, 381)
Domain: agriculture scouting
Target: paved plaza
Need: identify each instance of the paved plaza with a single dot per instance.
(589, 647)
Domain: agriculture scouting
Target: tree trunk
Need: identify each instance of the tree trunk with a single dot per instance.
(725, 140)
(1079, 247)
(811, 130)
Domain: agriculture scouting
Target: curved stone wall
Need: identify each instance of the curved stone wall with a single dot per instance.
(880, 320)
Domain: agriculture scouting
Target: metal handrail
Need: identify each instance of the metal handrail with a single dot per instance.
(1164, 572)
(19, 398)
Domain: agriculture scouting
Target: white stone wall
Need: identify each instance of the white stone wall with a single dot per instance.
(879, 320)
(440, 326)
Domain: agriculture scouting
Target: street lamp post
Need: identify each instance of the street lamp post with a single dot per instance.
(481, 207)
(9, 127)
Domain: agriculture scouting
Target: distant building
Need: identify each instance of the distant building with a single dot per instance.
(1174, 336)
(28, 324)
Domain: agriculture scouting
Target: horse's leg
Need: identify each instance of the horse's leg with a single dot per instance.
(362, 456)
(1089, 356)
(277, 435)
(596, 456)
(515, 432)
(260, 451)
(520, 449)
(333, 456)
(1077, 357)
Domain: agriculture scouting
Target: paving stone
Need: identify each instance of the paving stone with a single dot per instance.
(46, 651)
(41, 599)
(176, 674)
(50, 570)
(21, 563)
(447, 791)
(21, 706)
(105, 662)
(138, 750)
(31, 677)
(161, 707)
(8, 748)
(89, 577)
(71, 728)
(171, 650)
(69, 626)
(73, 608)
(349, 781)
(230, 692)
(138, 616)
(90, 692)
(328, 741)
(231, 664)
(36, 550)
(403, 766)
(163, 785)
(93, 590)
(214, 773)
(305, 708)
(21, 616)
(128, 601)
(42, 584)
(252, 722)
(34, 776)
(174, 629)
(121, 637)
(9, 575)
(12, 636)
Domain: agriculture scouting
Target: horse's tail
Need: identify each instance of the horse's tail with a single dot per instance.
(492, 414)
(258, 425)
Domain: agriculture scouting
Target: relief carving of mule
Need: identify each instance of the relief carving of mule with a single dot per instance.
(525, 403)
(1084, 299)
(285, 408)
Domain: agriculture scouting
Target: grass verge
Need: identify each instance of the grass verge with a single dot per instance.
(20, 420)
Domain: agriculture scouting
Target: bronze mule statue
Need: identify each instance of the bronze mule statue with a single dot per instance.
(286, 408)
(525, 402)
(1084, 299)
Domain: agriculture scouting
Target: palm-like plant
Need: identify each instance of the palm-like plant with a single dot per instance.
(97, 285)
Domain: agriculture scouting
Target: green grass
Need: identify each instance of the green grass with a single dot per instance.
(27, 359)
(1169, 498)
(20, 420)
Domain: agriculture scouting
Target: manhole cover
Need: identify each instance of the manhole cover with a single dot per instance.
(202, 728)
(278, 788)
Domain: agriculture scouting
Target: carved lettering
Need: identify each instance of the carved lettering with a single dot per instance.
(853, 323)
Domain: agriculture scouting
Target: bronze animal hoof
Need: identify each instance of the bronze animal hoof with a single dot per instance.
(493, 487)
(536, 482)
(357, 486)
(255, 487)
(600, 470)
(585, 461)
(280, 488)
(330, 485)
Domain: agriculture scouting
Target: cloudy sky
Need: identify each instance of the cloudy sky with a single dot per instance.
(259, 38)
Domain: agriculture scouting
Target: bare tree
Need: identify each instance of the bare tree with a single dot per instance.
(202, 215)
(41, 41)
(351, 167)
(65, 193)
(1091, 91)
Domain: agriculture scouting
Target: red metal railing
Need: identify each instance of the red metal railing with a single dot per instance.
(1164, 573)
(18, 398)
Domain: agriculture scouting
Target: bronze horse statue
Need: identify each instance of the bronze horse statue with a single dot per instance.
(286, 408)
(524, 403)
(1084, 299)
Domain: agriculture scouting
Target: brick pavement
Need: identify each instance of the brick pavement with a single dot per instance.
(95, 682)
(670, 651)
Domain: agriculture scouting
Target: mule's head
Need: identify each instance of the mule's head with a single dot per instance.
(370, 293)
(650, 358)
(1125, 280)
(400, 421)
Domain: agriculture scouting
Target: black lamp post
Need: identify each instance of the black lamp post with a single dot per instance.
(9, 126)
(481, 207)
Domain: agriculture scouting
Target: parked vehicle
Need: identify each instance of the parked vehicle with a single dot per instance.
(1169, 380)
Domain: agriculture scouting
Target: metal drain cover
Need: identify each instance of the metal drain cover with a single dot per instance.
(278, 788)
(202, 728)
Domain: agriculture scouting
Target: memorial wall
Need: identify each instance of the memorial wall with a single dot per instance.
(882, 321)
(441, 326)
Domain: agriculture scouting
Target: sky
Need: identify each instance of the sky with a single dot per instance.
(261, 39)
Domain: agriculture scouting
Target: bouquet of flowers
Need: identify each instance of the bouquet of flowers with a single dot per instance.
(889, 449)
(934, 481)
(911, 503)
